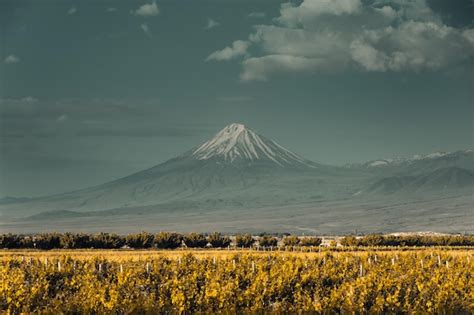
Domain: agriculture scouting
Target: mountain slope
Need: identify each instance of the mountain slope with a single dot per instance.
(236, 143)
(241, 175)
(419, 164)
(453, 179)
(237, 167)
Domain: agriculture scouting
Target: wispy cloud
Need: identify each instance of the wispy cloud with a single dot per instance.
(256, 15)
(11, 59)
(147, 10)
(211, 24)
(139, 132)
(111, 9)
(145, 28)
(62, 118)
(72, 11)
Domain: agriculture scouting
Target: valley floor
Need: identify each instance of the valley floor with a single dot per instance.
(449, 214)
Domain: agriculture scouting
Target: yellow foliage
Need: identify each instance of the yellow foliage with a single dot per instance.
(388, 282)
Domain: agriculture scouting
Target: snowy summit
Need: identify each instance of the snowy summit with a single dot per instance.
(236, 142)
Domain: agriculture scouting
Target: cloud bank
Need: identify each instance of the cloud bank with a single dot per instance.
(334, 35)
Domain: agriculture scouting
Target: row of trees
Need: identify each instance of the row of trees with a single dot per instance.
(162, 240)
(408, 240)
(170, 240)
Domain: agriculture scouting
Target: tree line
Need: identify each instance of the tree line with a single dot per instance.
(171, 240)
(162, 240)
(408, 240)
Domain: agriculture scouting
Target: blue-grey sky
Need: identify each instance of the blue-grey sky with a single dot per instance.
(94, 90)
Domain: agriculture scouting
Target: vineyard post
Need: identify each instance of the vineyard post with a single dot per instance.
(253, 266)
(46, 262)
(439, 261)
(393, 261)
(447, 264)
(59, 266)
(147, 268)
(421, 263)
(361, 271)
(121, 268)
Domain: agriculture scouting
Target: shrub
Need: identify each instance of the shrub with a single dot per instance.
(244, 240)
(349, 241)
(140, 240)
(10, 241)
(217, 240)
(107, 240)
(47, 241)
(70, 240)
(291, 241)
(311, 241)
(195, 240)
(167, 240)
(267, 241)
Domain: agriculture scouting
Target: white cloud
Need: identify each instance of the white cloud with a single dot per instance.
(72, 11)
(211, 24)
(333, 35)
(239, 48)
(309, 10)
(256, 15)
(111, 9)
(146, 10)
(368, 57)
(11, 59)
(411, 46)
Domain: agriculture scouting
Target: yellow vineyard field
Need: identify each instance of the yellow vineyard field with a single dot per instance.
(182, 281)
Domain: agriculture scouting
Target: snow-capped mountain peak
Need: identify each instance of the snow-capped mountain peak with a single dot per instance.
(236, 142)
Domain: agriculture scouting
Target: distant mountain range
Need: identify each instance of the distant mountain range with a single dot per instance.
(242, 181)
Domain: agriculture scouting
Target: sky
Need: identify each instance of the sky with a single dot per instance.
(91, 91)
